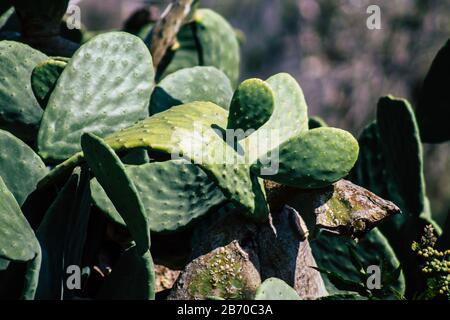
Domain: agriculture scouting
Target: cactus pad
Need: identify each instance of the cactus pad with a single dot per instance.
(332, 254)
(20, 112)
(105, 87)
(61, 235)
(20, 167)
(370, 169)
(44, 77)
(208, 40)
(110, 172)
(288, 119)
(132, 278)
(17, 240)
(252, 105)
(173, 194)
(313, 159)
(189, 85)
(276, 289)
(220, 46)
(434, 102)
(194, 131)
(403, 151)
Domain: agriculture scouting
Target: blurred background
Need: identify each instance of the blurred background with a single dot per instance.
(342, 66)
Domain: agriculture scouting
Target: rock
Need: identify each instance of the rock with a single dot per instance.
(225, 272)
(230, 248)
(165, 278)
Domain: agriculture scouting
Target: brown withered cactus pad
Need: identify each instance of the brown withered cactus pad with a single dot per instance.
(348, 209)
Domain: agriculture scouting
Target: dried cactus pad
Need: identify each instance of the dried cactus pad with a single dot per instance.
(17, 239)
(314, 159)
(189, 85)
(44, 77)
(105, 87)
(19, 110)
(173, 194)
(276, 289)
(20, 167)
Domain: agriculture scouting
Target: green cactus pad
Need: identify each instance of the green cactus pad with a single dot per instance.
(370, 169)
(132, 278)
(289, 118)
(332, 254)
(195, 131)
(31, 280)
(20, 112)
(189, 85)
(110, 172)
(252, 105)
(17, 240)
(61, 235)
(44, 77)
(18, 245)
(208, 40)
(20, 168)
(316, 122)
(434, 103)
(276, 289)
(403, 151)
(105, 87)
(4, 264)
(313, 159)
(173, 194)
(5, 15)
(220, 46)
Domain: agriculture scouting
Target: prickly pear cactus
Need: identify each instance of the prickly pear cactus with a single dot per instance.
(332, 254)
(18, 244)
(20, 112)
(189, 85)
(289, 117)
(111, 174)
(394, 116)
(435, 99)
(252, 105)
(314, 159)
(44, 77)
(62, 235)
(105, 87)
(142, 167)
(275, 289)
(134, 277)
(20, 167)
(174, 193)
(208, 40)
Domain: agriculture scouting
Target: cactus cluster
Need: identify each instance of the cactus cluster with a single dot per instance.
(391, 164)
(105, 147)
